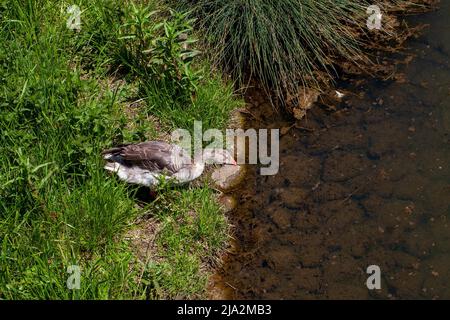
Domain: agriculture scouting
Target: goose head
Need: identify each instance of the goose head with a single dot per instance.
(208, 156)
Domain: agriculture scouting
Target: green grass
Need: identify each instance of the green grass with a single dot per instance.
(213, 103)
(191, 232)
(63, 98)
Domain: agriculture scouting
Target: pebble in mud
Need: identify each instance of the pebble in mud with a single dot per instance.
(339, 214)
(387, 136)
(280, 257)
(410, 187)
(293, 198)
(398, 167)
(392, 214)
(348, 240)
(339, 137)
(341, 267)
(341, 166)
(373, 182)
(437, 193)
(405, 260)
(280, 216)
(445, 116)
(304, 220)
(440, 229)
(228, 177)
(436, 272)
(298, 171)
(306, 278)
(418, 243)
(288, 142)
(330, 191)
(406, 283)
(311, 251)
(227, 203)
(346, 291)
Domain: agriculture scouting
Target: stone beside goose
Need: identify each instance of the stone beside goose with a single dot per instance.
(146, 162)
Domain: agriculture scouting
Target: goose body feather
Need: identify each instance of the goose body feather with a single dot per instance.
(144, 163)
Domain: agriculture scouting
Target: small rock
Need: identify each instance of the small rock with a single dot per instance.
(299, 113)
(281, 217)
(293, 198)
(302, 101)
(307, 278)
(281, 256)
(285, 130)
(228, 177)
(228, 203)
(299, 170)
(330, 191)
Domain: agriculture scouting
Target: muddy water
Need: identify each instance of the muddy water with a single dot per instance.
(365, 184)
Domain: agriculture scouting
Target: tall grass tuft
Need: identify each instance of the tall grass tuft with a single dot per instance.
(281, 43)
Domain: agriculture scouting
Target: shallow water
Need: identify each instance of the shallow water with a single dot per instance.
(366, 184)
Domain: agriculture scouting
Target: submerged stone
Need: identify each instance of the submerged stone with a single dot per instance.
(293, 198)
(227, 203)
(228, 177)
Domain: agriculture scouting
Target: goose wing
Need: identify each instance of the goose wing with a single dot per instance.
(155, 156)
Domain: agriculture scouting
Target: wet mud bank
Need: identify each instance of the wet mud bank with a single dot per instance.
(366, 183)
